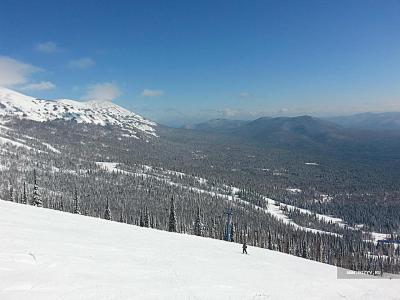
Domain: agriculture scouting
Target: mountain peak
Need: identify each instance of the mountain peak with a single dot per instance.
(15, 104)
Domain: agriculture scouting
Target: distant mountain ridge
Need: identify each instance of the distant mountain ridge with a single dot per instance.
(280, 130)
(376, 121)
(216, 125)
(14, 104)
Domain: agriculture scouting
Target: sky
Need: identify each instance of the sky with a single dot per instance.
(180, 62)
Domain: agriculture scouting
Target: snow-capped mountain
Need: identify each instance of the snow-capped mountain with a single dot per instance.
(102, 113)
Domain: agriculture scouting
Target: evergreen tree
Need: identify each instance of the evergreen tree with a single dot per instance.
(24, 197)
(233, 230)
(304, 253)
(36, 201)
(172, 219)
(76, 203)
(121, 218)
(146, 219)
(198, 226)
(107, 213)
(269, 241)
(11, 194)
(141, 222)
(213, 229)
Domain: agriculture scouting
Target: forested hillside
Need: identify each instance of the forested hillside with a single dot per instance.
(102, 172)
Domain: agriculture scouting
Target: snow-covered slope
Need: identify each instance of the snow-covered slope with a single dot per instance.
(46, 254)
(94, 112)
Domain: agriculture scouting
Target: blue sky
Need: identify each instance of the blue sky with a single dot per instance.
(187, 61)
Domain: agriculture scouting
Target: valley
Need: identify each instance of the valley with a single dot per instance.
(284, 200)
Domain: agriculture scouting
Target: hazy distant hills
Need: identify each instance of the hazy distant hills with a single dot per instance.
(287, 128)
(368, 135)
(282, 130)
(217, 125)
(375, 121)
(370, 121)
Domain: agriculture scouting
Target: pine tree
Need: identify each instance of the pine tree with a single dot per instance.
(146, 219)
(152, 222)
(269, 241)
(24, 197)
(36, 197)
(76, 203)
(198, 226)
(11, 194)
(172, 219)
(141, 222)
(213, 229)
(233, 230)
(121, 218)
(107, 213)
(304, 253)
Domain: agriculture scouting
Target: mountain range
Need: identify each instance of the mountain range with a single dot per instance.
(369, 134)
(374, 121)
(366, 121)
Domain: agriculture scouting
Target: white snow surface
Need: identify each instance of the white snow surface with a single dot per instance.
(311, 164)
(51, 148)
(47, 254)
(294, 190)
(101, 113)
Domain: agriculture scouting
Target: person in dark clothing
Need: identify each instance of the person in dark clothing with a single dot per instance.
(244, 248)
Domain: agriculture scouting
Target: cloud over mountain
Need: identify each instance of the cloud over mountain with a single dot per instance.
(102, 91)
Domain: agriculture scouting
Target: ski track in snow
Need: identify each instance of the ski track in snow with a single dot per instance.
(4, 140)
(47, 254)
(17, 142)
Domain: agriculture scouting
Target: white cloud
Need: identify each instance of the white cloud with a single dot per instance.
(230, 112)
(102, 91)
(245, 95)
(39, 86)
(152, 93)
(14, 72)
(47, 47)
(81, 63)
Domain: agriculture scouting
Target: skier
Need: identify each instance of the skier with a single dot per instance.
(244, 248)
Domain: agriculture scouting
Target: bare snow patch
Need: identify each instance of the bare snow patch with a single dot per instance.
(51, 148)
(294, 191)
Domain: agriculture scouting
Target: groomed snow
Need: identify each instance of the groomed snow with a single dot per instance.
(46, 254)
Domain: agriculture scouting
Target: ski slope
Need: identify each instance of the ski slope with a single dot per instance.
(46, 254)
